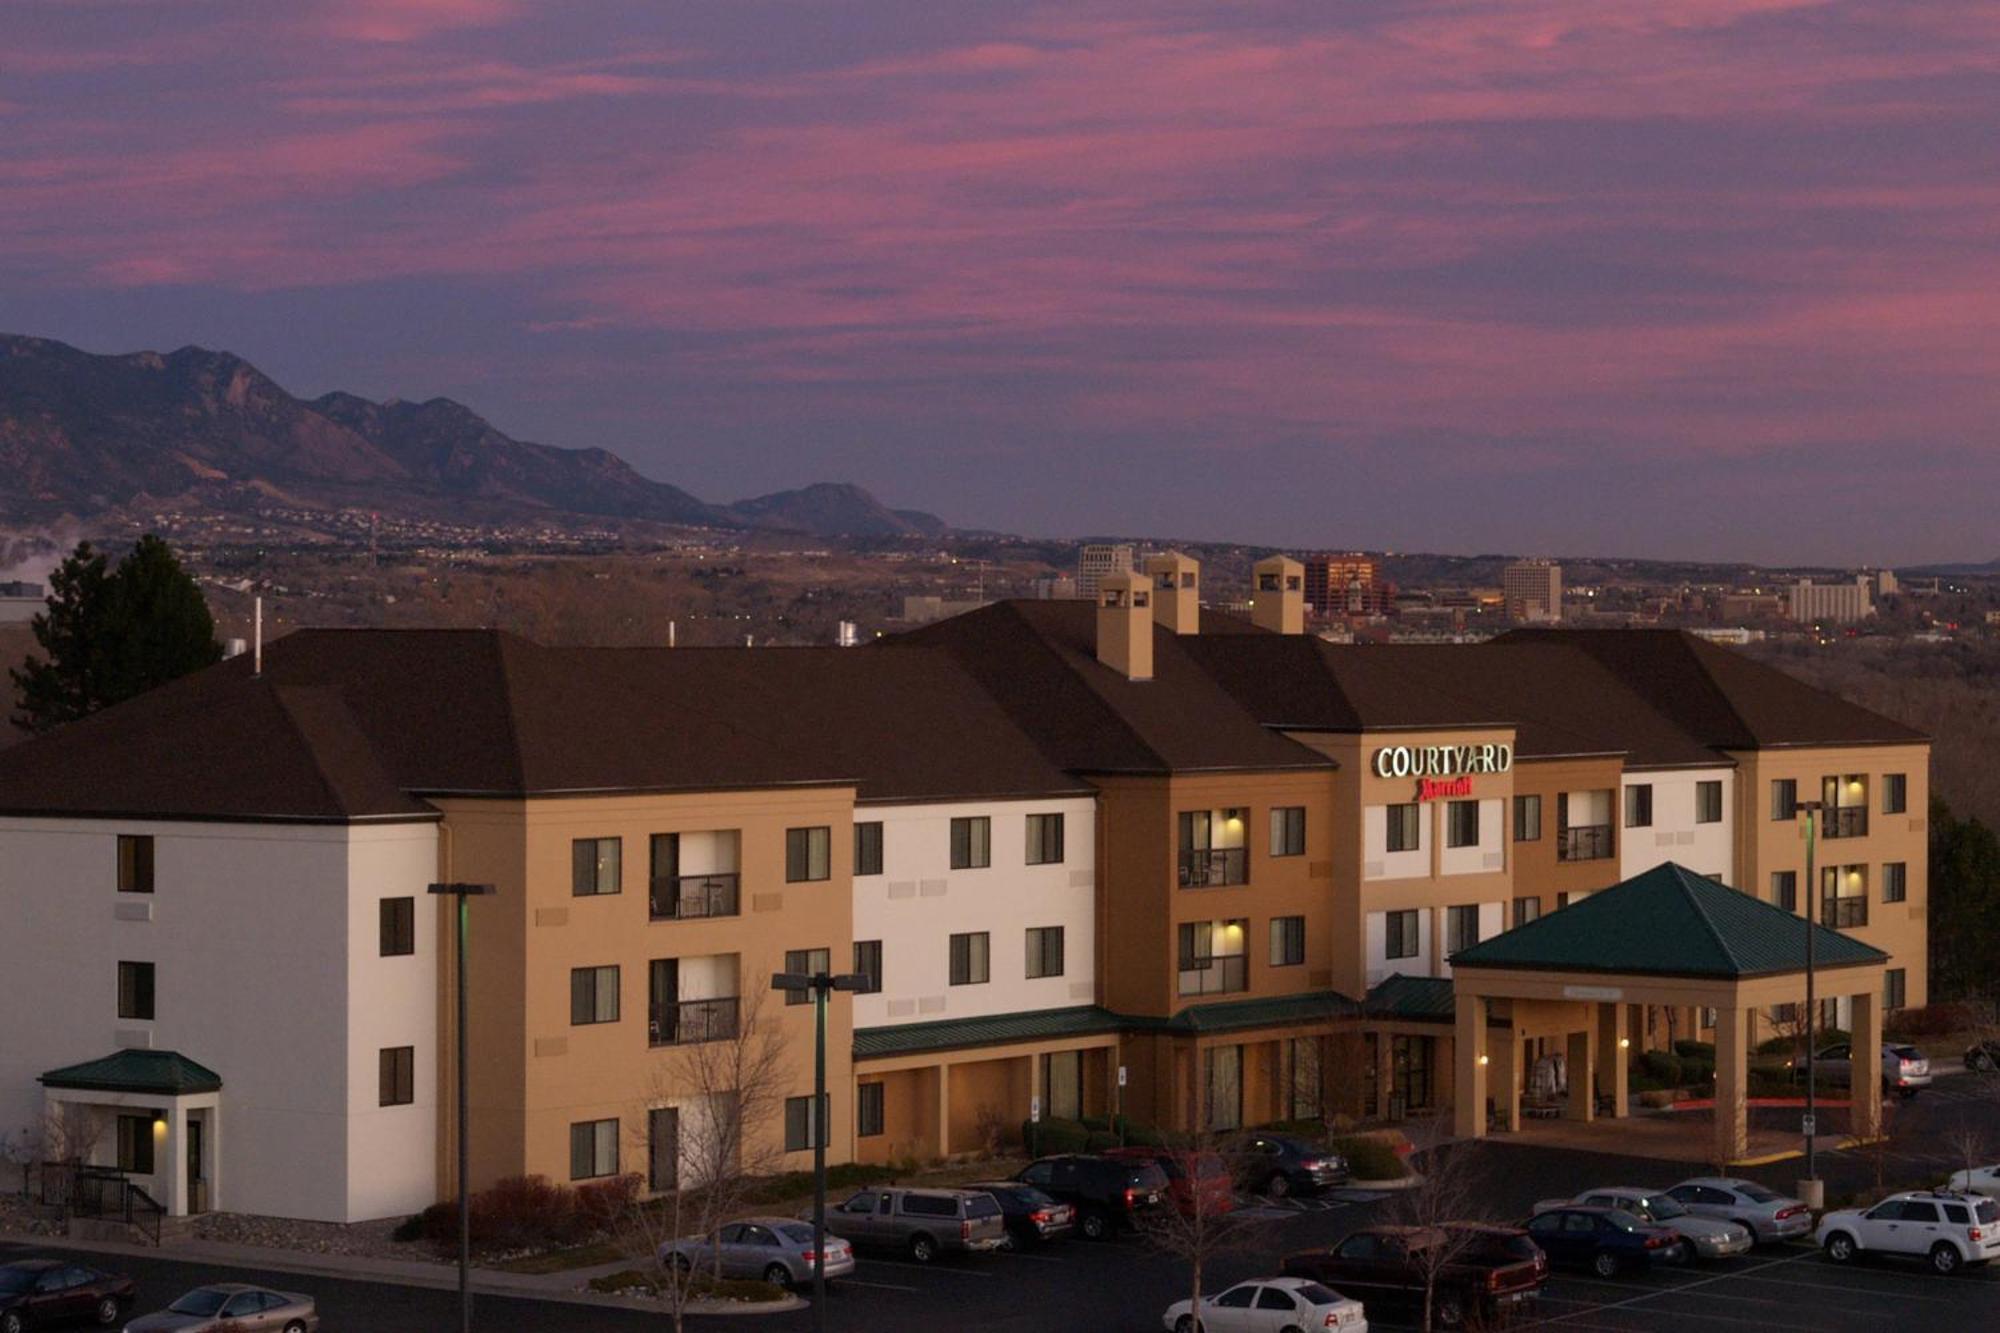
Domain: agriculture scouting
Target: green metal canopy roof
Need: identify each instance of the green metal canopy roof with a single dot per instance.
(161, 1073)
(996, 1029)
(1275, 1011)
(1669, 922)
(1423, 999)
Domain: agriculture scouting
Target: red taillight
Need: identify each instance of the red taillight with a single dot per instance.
(1974, 1233)
(1493, 1280)
(1041, 1216)
(1792, 1211)
(810, 1256)
(965, 1230)
(1131, 1197)
(1656, 1240)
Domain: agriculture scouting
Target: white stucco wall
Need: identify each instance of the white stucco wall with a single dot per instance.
(918, 902)
(1706, 849)
(264, 939)
(1485, 857)
(1378, 862)
(1380, 965)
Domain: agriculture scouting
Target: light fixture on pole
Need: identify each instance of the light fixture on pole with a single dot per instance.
(463, 892)
(819, 985)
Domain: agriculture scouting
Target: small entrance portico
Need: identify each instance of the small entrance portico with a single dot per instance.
(1668, 937)
(155, 1115)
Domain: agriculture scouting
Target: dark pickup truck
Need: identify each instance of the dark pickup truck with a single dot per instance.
(1482, 1272)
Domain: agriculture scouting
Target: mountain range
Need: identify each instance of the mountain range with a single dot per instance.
(84, 435)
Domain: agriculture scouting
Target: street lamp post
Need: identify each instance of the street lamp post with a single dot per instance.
(819, 985)
(463, 892)
(1812, 811)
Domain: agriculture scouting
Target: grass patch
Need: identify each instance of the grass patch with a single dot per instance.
(839, 1180)
(633, 1280)
(561, 1261)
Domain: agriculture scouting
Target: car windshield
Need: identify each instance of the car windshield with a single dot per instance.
(203, 1302)
(1030, 1196)
(1986, 1211)
(1906, 1052)
(1312, 1293)
(1662, 1208)
(1148, 1177)
(797, 1234)
(16, 1279)
(1756, 1193)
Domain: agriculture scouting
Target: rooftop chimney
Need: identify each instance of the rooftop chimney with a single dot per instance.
(1125, 624)
(1176, 591)
(1278, 601)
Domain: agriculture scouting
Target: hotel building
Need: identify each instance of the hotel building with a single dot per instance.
(1117, 854)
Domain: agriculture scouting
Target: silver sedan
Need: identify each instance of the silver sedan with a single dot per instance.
(777, 1249)
(1711, 1237)
(233, 1306)
(1771, 1216)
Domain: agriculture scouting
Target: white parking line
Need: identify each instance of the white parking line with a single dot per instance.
(875, 1286)
(926, 1268)
(1658, 1292)
(1853, 1288)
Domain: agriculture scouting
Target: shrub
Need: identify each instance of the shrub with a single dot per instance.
(847, 1176)
(1053, 1136)
(1933, 1020)
(1098, 1124)
(1661, 1067)
(601, 1204)
(1702, 1049)
(1371, 1158)
(1099, 1140)
(409, 1229)
(1143, 1136)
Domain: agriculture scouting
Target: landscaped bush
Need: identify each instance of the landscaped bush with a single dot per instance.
(1660, 1067)
(1053, 1136)
(1140, 1135)
(1933, 1020)
(601, 1204)
(1098, 1124)
(1100, 1139)
(1699, 1049)
(701, 1288)
(522, 1213)
(1371, 1158)
(846, 1177)
(409, 1229)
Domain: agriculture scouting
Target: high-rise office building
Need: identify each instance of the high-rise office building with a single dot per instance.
(1830, 603)
(1342, 585)
(1098, 559)
(1533, 590)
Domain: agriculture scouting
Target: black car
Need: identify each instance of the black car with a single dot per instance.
(1032, 1215)
(41, 1293)
(1983, 1056)
(1109, 1196)
(1279, 1164)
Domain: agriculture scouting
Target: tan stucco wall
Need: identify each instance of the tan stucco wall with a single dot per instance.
(1537, 870)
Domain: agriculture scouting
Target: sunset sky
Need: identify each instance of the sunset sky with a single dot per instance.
(1714, 278)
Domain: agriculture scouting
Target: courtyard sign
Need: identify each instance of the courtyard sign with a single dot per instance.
(1442, 761)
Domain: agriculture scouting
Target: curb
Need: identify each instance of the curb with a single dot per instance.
(1410, 1181)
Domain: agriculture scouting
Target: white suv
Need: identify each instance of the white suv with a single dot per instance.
(1948, 1229)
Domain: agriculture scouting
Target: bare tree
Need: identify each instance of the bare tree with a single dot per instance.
(1204, 1224)
(727, 1095)
(1441, 1196)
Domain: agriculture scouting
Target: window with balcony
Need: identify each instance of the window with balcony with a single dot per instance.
(1708, 802)
(808, 854)
(1461, 824)
(1784, 798)
(868, 965)
(1406, 828)
(1895, 881)
(1844, 897)
(135, 864)
(1527, 819)
(676, 1018)
(1212, 851)
(1785, 889)
(1639, 805)
(1288, 941)
(1846, 802)
(1045, 952)
(1401, 937)
(971, 842)
(971, 958)
(593, 995)
(1526, 910)
(1895, 793)
(1461, 927)
(1288, 830)
(868, 848)
(1045, 840)
(1583, 826)
(1212, 958)
(676, 894)
(594, 866)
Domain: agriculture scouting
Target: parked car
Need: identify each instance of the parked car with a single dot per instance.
(1480, 1272)
(1032, 1216)
(921, 1223)
(1983, 1057)
(1109, 1196)
(39, 1293)
(1946, 1229)
(1269, 1305)
(1707, 1237)
(1280, 1164)
(1770, 1216)
(777, 1249)
(1607, 1241)
(1977, 1180)
(1904, 1070)
(1210, 1181)
(232, 1306)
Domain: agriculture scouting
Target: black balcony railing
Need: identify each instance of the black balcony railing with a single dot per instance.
(1213, 867)
(1586, 842)
(689, 1022)
(1215, 975)
(689, 897)
(1843, 913)
(1848, 821)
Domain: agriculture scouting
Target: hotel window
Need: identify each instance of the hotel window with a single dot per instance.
(1785, 889)
(1527, 819)
(1894, 992)
(808, 854)
(1784, 798)
(593, 1149)
(971, 958)
(135, 990)
(593, 995)
(1045, 951)
(1526, 910)
(1045, 840)
(1212, 960)
(1212, 848)
(1288, 941)
(135, 864)
(594, 866)
(971, 842)
(1461, 824)
(799, 1126)
(868, 1108)
(1708, 802)
(397, 1076)
(1406, 829)
(1400, 937)
(1225, 1086)
(135, 1144)
(868, 848)
(1895, 881)
(868, 965)
(1844, 897)
(1639, 805)
(1895, 794)
(1062, 1084)
(399, 927)
(806, 962)
(1288, 830)
(1461, 928)
(1306, 1101)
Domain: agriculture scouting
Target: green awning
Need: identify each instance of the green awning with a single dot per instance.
(994, 1030)
(152, 1073)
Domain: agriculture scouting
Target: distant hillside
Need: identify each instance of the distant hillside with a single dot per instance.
(82, 435)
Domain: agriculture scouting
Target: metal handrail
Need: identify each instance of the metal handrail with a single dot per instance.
(1850, 821)
(690, 1022)
(693, 897)
(1214, 867)
(1585, 842)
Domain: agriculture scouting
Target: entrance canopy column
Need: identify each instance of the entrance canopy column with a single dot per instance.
(1866, 1087)
(1613, 1057)
(1469, 1065)
(1732, 1071)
